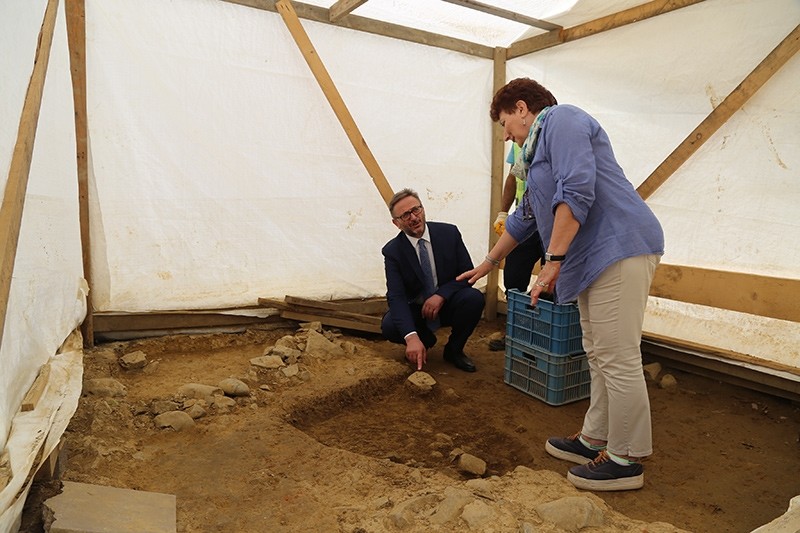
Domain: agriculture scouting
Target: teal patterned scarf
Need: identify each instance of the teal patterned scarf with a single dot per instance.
(520, 168)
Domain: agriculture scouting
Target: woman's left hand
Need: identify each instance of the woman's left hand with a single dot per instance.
(546, 280)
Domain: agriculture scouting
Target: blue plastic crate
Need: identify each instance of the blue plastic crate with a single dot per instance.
(551, 327)
(553, 378)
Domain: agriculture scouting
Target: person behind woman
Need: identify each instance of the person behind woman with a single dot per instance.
(602, 244)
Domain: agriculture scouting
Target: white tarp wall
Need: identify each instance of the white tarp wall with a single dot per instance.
(47, 300)
(222, 175)
(735, 204)
(47, 295)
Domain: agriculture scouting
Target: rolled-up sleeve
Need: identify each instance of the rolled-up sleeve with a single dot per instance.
(569, 139)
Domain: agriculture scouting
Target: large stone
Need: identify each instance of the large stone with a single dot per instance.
(789, 522)
(200, 391)
(471, 465)
(572, 513)
(421, 382)
(234, 387)
(449, 509)
(477, 514)
(134, 360)
(177, 420)
(319, 346)
(270, 362)
(107, 387)
(82, 507)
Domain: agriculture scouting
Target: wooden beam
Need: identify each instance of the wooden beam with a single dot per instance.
(332, 321)
(628, 16)
(733, 102)
(497, 179)
(723, 368)
(506, 14)
(37, 389)
(19, 170)
(386, 29)
(326, 310)
(343, 8)
(110, 322)
(746, 293)
(76, 37)
(334, 98)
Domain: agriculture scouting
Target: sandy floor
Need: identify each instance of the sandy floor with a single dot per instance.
(345, 446)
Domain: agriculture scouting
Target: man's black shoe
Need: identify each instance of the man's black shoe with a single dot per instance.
(461, 361)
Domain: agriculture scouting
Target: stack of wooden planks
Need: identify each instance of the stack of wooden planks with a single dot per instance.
(359, 315)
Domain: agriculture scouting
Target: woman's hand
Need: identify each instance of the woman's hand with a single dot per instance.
(476, 273)
(546, 280)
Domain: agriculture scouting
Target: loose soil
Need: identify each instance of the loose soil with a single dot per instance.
(341, 446)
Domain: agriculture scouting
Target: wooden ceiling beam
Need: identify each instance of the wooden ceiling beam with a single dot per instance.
(386, 29)
(506, 14)
(628, 16)
(343, 8)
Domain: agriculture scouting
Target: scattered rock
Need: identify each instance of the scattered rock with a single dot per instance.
(652, 371)
(162, 406)
(196, 411)
(288, 355)
(234, 387)
(291, 370)
(269, 362)
(421, 382)
(223, 404)
(572, 513)
(177, 420)
(449, 509)
(480, 487)
(477, 514)
(471, 465)
(200, 391)
(107, 387)
(668, 382)
(134, 360)
(319, 346)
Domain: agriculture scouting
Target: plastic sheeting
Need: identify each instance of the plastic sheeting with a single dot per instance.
(222, 175)
(47, 298)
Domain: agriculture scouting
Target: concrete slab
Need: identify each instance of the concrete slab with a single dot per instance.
(85, 508)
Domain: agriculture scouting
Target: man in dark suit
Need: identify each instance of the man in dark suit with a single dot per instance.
(419, 303)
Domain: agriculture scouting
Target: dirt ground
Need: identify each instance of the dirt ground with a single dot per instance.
(345, 446)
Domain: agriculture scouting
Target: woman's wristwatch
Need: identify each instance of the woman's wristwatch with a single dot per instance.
(550, 258)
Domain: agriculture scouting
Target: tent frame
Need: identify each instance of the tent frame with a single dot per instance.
(765, 296)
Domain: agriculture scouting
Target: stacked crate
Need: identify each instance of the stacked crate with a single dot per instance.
(544, 354)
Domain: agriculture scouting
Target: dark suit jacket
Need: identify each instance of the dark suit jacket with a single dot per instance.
(404, 283)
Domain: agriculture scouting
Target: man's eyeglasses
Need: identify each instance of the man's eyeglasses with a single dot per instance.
(416, 210)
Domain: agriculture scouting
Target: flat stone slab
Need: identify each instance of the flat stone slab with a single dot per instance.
(85, 508)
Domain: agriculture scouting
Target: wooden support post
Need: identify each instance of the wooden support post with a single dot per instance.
(19, 171)
(300, 36)
(498, 146)
(76, 36)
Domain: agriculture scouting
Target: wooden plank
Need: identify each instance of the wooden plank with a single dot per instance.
(497, 179)
(332, 321)
(19, 170)
(37, 389)
(750, 85)
(506, 14)
(746, 293)
(329, 311)
(609, 22)
(334, 98)
(749, 378)
(386, 29)
(115, 322)
(368, 306)
(76, 37)
(690, 346)
(343, 8)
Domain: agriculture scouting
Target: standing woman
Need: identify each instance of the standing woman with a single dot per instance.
(602, 244)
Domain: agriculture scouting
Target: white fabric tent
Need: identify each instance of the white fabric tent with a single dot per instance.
(220, 174)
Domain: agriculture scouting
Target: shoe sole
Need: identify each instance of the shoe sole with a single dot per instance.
(565, 455)
(623, 483)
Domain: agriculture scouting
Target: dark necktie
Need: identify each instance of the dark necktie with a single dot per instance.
(427, 274)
